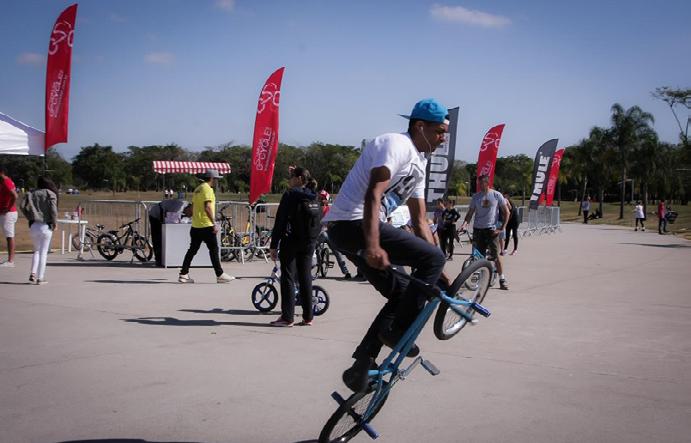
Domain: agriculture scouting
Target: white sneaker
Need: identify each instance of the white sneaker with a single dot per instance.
(185, 278)
(224, 278)
(7, 264)
(41, 282)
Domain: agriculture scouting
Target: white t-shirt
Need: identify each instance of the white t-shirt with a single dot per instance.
(638, 210)
(406, 164)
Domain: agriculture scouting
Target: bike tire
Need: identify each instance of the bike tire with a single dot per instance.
(320, 300)
(264, 297)
(448, 323)
(107, 245)
(89, 241)
(324, 257)
(341, 426)
(142, 249)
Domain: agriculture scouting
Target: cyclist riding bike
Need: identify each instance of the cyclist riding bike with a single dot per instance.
(390, 171)
(486, 205)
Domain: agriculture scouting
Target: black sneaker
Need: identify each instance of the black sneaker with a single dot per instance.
(391, 338)
(503, 285)
(355, 377)
(347, 276)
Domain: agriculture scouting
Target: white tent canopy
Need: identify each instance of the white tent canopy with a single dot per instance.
(17, 138)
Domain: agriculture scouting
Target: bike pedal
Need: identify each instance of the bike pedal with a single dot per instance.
(370, 431)
(336, 396)
(430, 367)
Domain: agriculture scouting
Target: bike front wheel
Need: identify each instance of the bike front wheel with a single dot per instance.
(346, 422)
(323, 262)
(320, 300)
(142, 249)
(472, 285)
(264, 297)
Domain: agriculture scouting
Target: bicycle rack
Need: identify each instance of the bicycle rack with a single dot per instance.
(365, 426)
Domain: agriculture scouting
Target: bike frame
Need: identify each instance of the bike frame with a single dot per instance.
(390, 365)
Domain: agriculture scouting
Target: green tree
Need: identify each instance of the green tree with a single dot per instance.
(629, 127)
(98, 167)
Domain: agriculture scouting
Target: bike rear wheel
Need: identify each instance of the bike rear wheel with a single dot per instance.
(264, 297)
(323, 262)
(344, 423)
(448, 323)
(320, 300)
(89, 241)
(108, 246)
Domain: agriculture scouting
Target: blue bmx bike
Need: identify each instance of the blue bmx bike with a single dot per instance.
(455, 308)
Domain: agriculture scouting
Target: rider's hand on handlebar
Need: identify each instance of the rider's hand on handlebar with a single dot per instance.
(464, 226)
(377, 258)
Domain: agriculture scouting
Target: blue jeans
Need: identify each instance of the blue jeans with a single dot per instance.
(404, 300)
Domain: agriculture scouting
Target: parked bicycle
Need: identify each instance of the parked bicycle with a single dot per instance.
(113, 243)
(265, 295)
(90, 238)
(355, 413)
(234, 245)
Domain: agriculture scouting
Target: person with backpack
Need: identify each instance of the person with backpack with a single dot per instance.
(40, 207)
(298, 224)
(512, 225)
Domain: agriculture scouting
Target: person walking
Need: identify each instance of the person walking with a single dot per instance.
(447, 235)
(485, 205)
(40, 207)
(639, 213)
(585, 207)
(157, 217)
(297, 226)
(323, 198)
(8, 214)
(512, 225)
(662, 217)
(390, 171)
(204, 229)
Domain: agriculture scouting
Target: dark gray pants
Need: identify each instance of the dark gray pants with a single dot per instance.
(197, 237)
(295, 269)
(405, 301)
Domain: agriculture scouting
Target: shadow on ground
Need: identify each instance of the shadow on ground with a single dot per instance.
(158, 281)
(172, 321)
(228, 311)
(14, 283)
(100, 264)
(122, 440)
(652, 245)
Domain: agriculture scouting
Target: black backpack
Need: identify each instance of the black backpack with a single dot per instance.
(306, 225)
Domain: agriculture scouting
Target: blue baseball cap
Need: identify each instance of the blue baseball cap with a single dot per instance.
(429, 110)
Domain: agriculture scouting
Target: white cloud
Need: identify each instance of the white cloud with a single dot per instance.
(459, 14)
(117, 18)
(226, 5)
(31, 58)
(160, 58)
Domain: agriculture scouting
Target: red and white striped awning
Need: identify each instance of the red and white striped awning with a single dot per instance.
(174, 167)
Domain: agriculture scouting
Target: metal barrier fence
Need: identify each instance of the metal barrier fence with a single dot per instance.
(246, 230)
(544, 220)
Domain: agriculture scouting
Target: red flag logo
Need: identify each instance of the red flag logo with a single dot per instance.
(58, 77)
(488, 154)
(265, 141)
(553, 176)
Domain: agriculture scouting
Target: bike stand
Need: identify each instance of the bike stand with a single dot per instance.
(365, 426)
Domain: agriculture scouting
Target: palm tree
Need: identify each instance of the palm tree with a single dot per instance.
(629, 127)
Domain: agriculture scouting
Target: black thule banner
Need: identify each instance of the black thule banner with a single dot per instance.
(440, 164)
(543, 162)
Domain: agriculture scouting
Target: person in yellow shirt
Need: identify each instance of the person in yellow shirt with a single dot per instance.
(204, 229)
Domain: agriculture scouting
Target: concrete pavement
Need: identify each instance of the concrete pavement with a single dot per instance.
(591, 344)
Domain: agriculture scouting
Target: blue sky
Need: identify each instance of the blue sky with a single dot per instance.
(189, 71)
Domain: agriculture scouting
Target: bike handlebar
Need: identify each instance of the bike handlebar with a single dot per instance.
(130, 223)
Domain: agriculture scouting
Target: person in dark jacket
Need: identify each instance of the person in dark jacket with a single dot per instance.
(512, 225)
(447, 234)
(40, 207)
(295, 253)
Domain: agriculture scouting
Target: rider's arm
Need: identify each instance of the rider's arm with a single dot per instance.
(468, 217)
(504, 215)
(281, 222)
(378, 183)
(419, 219)
(208, 208)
